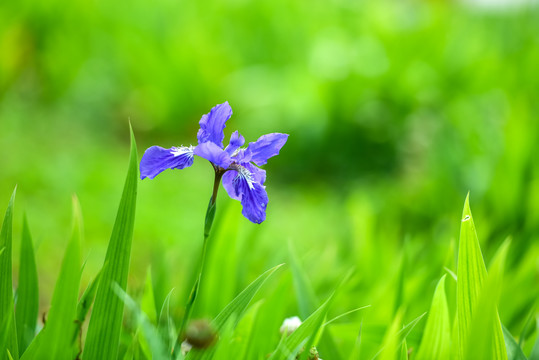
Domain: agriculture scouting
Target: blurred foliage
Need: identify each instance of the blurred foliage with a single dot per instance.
(395, 110)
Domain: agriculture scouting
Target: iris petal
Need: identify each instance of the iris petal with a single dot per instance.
(213, 153)
(157, 159)
(265, 147)
(253, 196)
(259, 175)
(236, 141)
(228, 184)
(212, 124)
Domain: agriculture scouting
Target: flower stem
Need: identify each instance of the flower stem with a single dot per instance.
(208, 222)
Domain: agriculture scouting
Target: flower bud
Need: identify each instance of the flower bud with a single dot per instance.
(200, 334)
(290, 325)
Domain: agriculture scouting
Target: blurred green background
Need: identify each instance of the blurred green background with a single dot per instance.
(395, 110)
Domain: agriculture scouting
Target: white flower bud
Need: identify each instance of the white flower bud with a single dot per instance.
(290, 325)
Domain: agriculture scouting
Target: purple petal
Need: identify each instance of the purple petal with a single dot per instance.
(228, 184)
(236, 141)
(157, 159)
(253, 196)
(259, 175)
(212, 124)
(213, 153)
(265, 147)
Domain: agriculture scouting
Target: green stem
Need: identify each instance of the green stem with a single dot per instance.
(208, 222)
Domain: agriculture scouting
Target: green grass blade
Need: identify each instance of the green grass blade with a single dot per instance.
(394, 339)
(514, 352)
(534, 355)
(87, 298)
(83, 307)
(235, 308)
(56, 340)
(28, 293)
(6, 285)
(166, 325)
(436, 342)
(147, 304)
(4, 332)
(404, 351)
(471, 272)
(485, 338)
(307, 300)
(105, 323)
(156, 346)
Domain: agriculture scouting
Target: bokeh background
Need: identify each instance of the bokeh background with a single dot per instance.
(395, 110)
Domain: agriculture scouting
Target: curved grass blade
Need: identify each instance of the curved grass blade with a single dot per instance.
(400, 336)
(234, 309)
(105, 323)
(404, 351)
(166, 325)
(514, 352)
(27, 307)
(390, 344)
(6, 286)
(83, 307)
(307, 300)
(534, 355)
(436, 341)
(55, 340)
(155, 344)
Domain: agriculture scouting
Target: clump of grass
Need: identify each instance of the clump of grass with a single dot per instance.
(247, 326)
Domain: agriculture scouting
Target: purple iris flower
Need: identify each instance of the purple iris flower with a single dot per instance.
(238, 167)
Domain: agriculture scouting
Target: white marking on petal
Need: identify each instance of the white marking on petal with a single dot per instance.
(245, 174)
(181, 150)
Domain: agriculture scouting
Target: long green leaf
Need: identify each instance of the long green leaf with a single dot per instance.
(166, 325)
(83, 307)
(105, 323)
(6, 285)
(534, 355)
(485, 339)
(393, 338)
(27, 307)
(56, 341)
(307, 300)
(436, 342)
(514, 352)
(234, 309)
(471, 274)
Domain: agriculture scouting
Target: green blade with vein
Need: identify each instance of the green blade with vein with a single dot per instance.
(514, 352)
(106, 320)
(28, 293)
(471, 275)
(485, 338)
(55, 340)
(6, 286)
(436, 341)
